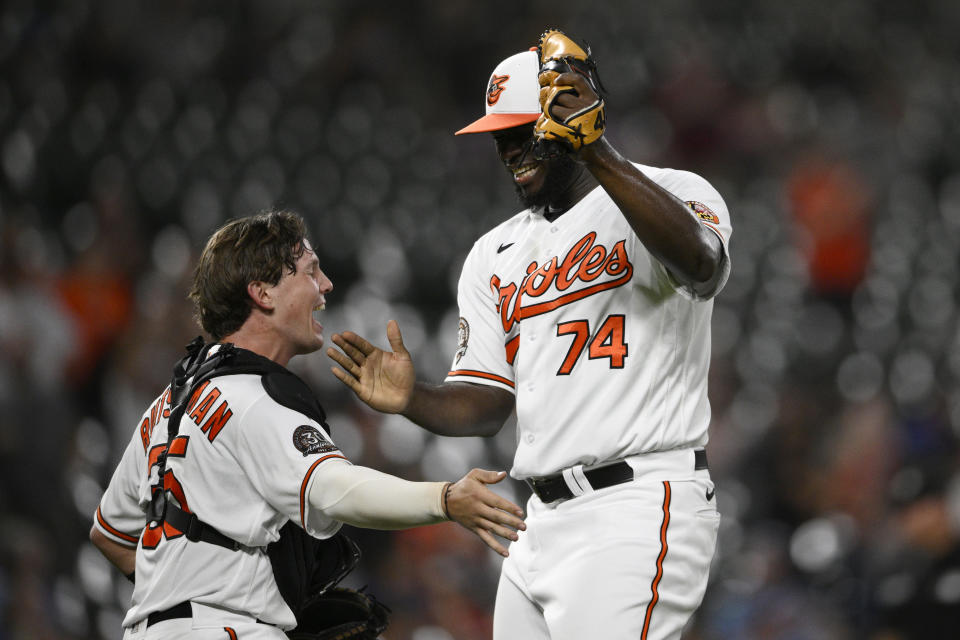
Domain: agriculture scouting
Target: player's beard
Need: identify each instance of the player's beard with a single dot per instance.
(559, 177)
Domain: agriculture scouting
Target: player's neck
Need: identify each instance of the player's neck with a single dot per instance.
(257, 338)
(581, 183)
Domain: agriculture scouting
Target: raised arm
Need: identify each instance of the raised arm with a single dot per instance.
(386, 381)
(665, 225)
(662, 222)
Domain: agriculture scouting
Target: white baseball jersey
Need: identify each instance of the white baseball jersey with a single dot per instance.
(244, 464)
(607, 355)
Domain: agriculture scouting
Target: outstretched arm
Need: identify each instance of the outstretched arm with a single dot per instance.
(459, 408)
(386, 381)
(364, 497)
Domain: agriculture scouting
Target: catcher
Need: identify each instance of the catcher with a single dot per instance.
(226, 507)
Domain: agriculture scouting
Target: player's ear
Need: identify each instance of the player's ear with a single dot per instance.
(261, 295)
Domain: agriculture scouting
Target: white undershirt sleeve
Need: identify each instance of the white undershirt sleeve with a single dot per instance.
(365, 497)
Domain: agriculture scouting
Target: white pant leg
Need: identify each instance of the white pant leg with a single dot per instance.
(691, 539)
(516, 615)
(623, 562)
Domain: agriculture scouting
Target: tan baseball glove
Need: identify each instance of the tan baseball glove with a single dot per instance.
(571, 96)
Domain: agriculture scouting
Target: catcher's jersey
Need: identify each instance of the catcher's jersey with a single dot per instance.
(607, 355)
(243, 463)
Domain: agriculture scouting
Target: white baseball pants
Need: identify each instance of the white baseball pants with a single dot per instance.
(628, 561)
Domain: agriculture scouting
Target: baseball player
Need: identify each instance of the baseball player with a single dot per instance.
(588, 313)
(241, 448)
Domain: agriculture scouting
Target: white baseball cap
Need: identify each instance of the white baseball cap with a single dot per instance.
(513, 94)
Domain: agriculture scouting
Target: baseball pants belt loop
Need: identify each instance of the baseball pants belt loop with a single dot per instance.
(700, 460)
(576, 480)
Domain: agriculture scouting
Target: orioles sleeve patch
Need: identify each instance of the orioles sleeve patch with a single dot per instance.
(703, 212)
(463, 336)
(307, 440)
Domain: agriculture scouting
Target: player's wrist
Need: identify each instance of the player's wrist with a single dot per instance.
(411, 405)
(598, 152)
(444, 499)
(403, 405)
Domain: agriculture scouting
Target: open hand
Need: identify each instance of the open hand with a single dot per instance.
(383, 380)
(475, 507)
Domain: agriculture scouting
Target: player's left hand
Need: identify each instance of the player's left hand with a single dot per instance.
(564, 94)
(384, 380)
(573, 112)
(475, 507)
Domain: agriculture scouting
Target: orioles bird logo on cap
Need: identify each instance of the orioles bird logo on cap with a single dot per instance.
(495, 89)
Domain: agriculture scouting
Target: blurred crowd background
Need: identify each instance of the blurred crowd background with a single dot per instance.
(130, 129)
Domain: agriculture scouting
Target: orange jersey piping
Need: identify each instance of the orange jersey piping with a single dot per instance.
(482, 374)
(114, 531)
(306, 481)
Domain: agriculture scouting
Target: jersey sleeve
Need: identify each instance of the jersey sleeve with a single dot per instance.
(482, 355)
(119, 516)
(283, 449)
(706, 203)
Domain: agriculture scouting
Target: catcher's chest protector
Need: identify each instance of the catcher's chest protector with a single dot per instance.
(303, 567)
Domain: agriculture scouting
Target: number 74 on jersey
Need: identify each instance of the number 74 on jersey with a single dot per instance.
(607, 342)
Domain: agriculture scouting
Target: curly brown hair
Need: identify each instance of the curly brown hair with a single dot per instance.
(255, 248)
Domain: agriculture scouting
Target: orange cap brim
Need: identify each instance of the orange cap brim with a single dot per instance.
(498, 121)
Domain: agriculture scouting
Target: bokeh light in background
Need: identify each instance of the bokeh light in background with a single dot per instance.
(129, 130)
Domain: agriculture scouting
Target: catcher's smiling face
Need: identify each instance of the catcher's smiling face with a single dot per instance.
(296, 299)
(539, 183)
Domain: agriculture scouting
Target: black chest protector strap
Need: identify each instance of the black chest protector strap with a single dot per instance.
(303, 566)
(197, 368)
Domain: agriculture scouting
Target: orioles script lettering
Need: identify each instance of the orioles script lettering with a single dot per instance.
(584, 263)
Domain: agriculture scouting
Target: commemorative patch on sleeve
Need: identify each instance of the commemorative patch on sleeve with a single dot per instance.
(463, 335)
(308, 440)
(703, 212)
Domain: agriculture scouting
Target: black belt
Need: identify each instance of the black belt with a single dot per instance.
(179, 610)
(553, 487)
